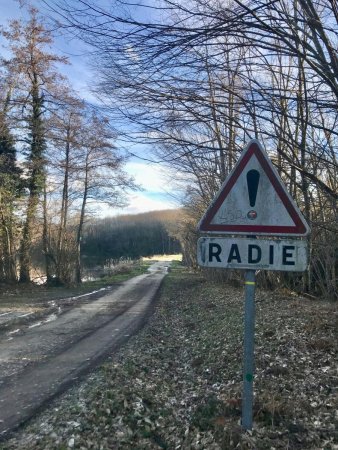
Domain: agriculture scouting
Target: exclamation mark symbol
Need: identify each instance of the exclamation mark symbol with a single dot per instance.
(252, 178)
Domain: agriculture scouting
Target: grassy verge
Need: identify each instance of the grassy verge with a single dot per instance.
(177, 384)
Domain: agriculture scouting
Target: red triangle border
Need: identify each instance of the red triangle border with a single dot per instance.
(299, 228)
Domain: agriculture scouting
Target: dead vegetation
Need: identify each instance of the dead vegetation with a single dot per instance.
(177, 384)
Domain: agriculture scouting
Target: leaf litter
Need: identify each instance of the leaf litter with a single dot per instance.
(177, 383)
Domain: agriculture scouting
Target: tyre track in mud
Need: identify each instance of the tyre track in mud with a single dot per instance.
(46, 360)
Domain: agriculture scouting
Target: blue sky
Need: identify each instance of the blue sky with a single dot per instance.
(153, 178)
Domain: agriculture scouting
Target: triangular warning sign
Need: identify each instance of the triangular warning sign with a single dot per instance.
(253, 200)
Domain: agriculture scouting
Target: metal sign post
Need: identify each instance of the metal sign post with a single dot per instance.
(252, 201)
(249, 334)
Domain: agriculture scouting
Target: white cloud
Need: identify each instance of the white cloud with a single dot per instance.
(152, 177)
(157, 185)
(139, 203)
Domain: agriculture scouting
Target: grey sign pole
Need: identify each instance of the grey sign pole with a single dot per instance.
(248, 360)
(234, 213)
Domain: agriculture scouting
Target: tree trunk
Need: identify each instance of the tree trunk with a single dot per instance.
(60, 256)
(25, 258)
(45, 239)
(36, 179)
(80, 227)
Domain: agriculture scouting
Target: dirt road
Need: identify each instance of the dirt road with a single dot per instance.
(50, 355)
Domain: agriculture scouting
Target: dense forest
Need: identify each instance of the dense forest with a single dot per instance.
(130, 236)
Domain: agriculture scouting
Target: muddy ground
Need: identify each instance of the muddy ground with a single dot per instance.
(41, 358)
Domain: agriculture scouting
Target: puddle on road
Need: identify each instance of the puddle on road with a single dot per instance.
(36, 324)
(13, 315)
(88, 293)
(49, 318)
(25, 315)
(10, 334)
(14, 331)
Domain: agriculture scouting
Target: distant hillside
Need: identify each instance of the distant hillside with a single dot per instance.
(130, 236)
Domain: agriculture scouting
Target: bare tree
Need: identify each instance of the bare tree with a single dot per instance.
(200, 78)
(99, 174)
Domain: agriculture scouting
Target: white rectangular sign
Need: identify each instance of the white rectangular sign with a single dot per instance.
(241, 253)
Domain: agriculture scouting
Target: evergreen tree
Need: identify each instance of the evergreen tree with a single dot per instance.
(10, 189)
(36, 78)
